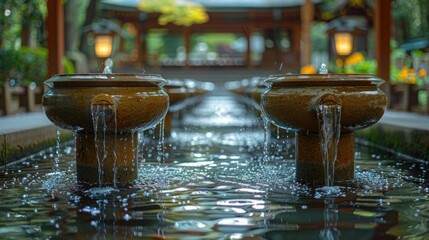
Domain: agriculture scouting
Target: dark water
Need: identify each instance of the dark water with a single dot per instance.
(215, 184)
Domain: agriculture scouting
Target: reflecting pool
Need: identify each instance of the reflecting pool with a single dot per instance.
(210, 180)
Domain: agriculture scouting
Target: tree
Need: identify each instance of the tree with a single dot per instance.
(177, 12)
(22, 23)
(74, 16)
(411, 18)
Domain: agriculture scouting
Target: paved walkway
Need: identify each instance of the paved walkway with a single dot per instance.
(406, 120)
(28, 121)
(23, 122)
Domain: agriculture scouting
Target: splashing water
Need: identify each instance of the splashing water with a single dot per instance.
(56, 167)
(323, 69)
(281, 67)
(267, 137)
(161, 141)
(107, 70)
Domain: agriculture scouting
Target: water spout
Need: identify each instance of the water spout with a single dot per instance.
(103, 99)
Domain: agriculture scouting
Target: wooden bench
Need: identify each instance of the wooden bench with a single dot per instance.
(415, 106)
(20, 99)
(401, 97)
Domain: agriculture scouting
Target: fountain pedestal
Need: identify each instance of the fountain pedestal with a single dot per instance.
(109, 159)
(309, 166)
(296, 101)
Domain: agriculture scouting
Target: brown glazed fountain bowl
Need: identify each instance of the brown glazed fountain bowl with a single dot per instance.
(179, 95)
(291, 101)
(132, 102)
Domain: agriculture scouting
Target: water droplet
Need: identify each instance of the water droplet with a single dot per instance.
(323, 69)
(94, 223)
(127, 217)
(107, 70)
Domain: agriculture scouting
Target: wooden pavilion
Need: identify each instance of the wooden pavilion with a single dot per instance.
(277, 19)
(278, 22)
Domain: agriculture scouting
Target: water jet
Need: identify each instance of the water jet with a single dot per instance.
(106, 111)
(300, 103)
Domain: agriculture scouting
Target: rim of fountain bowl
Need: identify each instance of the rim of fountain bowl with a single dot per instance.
(311, 80)
(106, 80)
(174, 83)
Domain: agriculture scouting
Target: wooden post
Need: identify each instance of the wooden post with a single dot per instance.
(248, 31)
(55, 28)
(141, 45)
(307, 16)
(187, 43)
(383, 15)
(3, 98)
(7, 98)
(29, 97)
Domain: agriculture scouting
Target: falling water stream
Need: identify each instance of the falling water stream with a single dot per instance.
(329, 117)
(101, 114)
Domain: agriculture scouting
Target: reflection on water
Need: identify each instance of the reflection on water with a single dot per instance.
(214, 183)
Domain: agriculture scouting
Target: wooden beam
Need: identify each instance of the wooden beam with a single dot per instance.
(307, 16)
(383, 15)
(248, 31)
(187, 43)
(55, 28)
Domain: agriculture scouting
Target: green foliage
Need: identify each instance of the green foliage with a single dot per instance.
(27, 65)
(68, 66)
(411, 18)
(34, 65)
(15, 14)
(9, 64)
(367, 66)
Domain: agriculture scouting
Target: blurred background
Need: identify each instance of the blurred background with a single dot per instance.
(202, 39)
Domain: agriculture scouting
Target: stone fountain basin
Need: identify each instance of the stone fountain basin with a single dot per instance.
(139, 100)
(291, 100)
(249, 91)
(183, 93)
(178, 94)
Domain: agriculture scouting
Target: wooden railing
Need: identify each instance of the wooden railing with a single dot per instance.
(404, 97)
(20, 99)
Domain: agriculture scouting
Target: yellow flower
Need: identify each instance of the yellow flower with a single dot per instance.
(355, 58)
(421, 73)
(403, 74)
(308, 69)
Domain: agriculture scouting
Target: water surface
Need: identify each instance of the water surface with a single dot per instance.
(214, 183)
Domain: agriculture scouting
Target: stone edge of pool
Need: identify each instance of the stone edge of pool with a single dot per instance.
(19, 143)
(403, 132)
